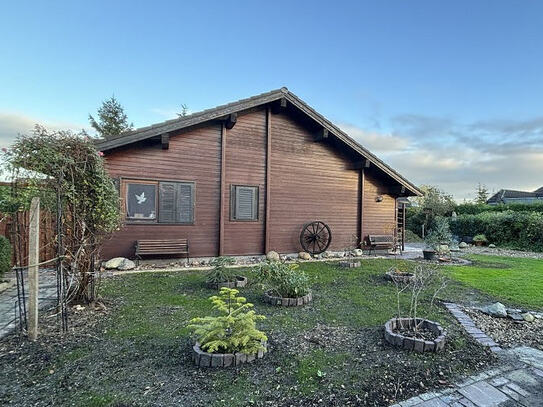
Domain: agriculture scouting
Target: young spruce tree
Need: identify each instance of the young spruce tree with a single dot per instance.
(112, 119)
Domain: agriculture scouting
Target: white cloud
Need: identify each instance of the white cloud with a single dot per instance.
(13, 124)
(456, 156)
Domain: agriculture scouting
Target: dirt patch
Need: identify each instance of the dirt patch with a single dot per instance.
(507, 332)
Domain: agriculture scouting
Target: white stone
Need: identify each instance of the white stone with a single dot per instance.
(126, 264)
(463, 245)
(528, 317)
(273, 256)
(496, 310)
(114, 262)
(304, 256)
(358, 252)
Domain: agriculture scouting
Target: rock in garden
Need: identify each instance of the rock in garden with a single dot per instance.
(304, 256)
(528, 317)
(272, 256)
(126, 264)
(515, 316)
(463, 245)
(491, 246)
(358, 252)
(496, 310)
(114, 263)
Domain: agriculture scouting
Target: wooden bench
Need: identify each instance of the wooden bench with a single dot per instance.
(162, 246)
(380, 242)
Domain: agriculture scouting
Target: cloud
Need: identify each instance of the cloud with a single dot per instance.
(457, 156)
(13, 124)
(375, 140)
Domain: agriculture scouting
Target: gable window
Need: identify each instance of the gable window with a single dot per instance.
(243, 203)
(159, 201)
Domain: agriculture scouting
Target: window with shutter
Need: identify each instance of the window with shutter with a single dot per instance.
(244, 205)
(174, 201)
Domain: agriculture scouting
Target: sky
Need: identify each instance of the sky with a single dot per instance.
(447, 93)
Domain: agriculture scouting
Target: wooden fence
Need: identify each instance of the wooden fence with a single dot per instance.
(15, 228)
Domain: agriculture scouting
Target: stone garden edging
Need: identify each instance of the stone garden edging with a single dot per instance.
(239, 283)
(401, 277)
(409, 343)
(205, 359)
(288, 302)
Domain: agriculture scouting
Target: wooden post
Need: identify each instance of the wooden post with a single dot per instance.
(33, 260)
(267, 220)
(362, 184)
(222, 188)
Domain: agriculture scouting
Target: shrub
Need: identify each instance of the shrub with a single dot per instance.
(480, 238)
(439, 234)
(516, 230)
(475, 209)
(5, 255)
(220, 273)
(234, 330)
(284, 280)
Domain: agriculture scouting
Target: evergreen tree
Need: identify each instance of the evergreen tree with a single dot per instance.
(481, 194)
(112, 119)
(184, 111)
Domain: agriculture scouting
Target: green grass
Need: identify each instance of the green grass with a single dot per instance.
(139, 354)
(515, 281)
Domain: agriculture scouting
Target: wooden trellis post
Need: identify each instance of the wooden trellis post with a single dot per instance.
(33, 260)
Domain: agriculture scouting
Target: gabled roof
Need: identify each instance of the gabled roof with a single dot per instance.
(219, 112)
(503, 194)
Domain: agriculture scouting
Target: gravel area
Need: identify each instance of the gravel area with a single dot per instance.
(507, 332)
(501, 252)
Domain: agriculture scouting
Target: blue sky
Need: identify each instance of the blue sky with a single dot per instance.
(448, 93)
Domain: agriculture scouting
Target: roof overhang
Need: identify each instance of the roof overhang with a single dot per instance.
(223, 112)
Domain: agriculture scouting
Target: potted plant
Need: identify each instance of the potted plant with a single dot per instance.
(438, 240)
(409, 331)
(223, 276)
(231, 338)
(284, 284)
(480, 240)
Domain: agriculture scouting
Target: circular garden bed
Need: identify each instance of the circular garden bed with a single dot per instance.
(205, 359)
(238, 283)
(287, 302)
(429, 336)
(399, 276)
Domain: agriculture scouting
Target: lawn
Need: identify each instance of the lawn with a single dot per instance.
(514, 281)
(329, 352)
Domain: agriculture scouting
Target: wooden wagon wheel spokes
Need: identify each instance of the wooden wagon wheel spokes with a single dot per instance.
(315, 237)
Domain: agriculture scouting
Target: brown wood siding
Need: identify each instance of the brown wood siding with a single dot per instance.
(309, 181)
(378, 218)
(192, 156)
(246, 165)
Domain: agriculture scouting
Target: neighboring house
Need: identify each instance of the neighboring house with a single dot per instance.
(243, 179)
(505, 196)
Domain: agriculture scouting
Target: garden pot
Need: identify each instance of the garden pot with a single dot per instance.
(429, 254)
(238, 283)
(349, 264)
(205, 359)
(417, 344)
(287, 302)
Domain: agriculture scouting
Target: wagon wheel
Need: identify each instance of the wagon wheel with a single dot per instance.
(315, 237)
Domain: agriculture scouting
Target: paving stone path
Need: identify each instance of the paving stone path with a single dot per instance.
(518, 381)
(8, 298)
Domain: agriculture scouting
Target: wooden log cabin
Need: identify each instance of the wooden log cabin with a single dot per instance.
(244, 178)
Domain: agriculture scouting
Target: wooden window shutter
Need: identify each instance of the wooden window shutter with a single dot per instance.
(185, 202)
(167, 202)
(246, 203)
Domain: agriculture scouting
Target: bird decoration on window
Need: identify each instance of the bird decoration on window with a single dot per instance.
(141, 198)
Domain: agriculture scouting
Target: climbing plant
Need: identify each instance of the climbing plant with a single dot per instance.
(65, 167)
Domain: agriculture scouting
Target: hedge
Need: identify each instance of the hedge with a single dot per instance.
(474, 209)
(517, 230)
